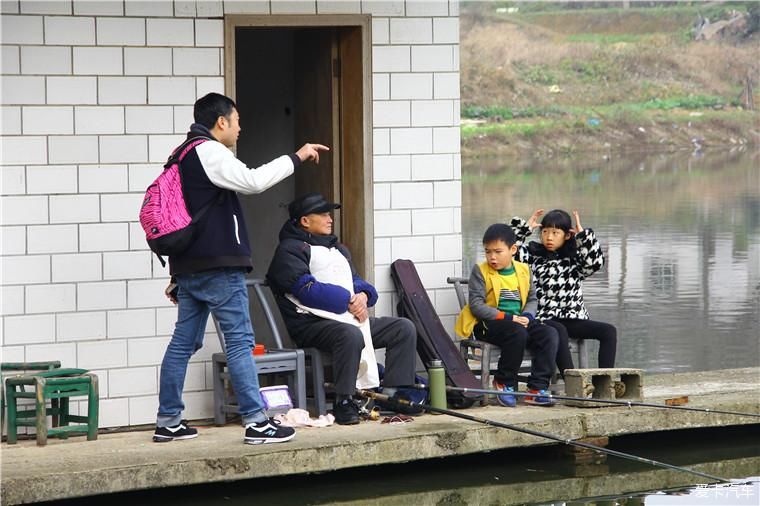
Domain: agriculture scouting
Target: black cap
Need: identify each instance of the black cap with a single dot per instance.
(308, 204)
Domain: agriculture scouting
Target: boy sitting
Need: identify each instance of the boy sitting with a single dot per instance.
(501, 311)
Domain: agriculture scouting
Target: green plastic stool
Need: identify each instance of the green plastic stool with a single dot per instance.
(56, 386)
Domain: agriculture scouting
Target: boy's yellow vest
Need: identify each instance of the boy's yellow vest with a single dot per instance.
(467, 321)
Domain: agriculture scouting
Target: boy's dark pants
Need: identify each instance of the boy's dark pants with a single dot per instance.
(541, 340)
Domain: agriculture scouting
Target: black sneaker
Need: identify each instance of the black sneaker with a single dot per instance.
(346, 412)
(180, 431)
(267, 432)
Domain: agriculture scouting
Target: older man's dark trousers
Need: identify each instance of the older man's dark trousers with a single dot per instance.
(513, 339)
(345, 343)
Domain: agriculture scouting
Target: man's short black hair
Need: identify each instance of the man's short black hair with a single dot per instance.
(500, 232)
(208, 108)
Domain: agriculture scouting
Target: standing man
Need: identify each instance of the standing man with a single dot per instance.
(324, 304)
(210, 273)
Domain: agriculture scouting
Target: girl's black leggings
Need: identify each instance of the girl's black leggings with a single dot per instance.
(603, 332)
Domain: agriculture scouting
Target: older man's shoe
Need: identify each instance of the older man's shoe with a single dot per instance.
(346, 412)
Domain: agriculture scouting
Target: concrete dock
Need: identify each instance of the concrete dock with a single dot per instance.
(130, 461)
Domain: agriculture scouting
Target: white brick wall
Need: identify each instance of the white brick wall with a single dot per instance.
(96, 93)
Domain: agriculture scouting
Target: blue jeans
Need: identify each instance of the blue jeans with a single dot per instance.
(223, 293)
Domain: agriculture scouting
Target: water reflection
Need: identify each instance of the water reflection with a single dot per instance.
(682, 238)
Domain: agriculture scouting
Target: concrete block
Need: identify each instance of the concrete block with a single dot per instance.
(446, 140)
(166, 317)
(607, 384)
(13, 241)
(73, 149)
(120, 207)
(434, 274)
(381, 86)
(454, 7)
(411, 195)
(446, 85)
(382, 196)
(23, 150)
(171, 90)
(65, 352)
(46, 6)
(411, 31)
(210, 9)
(383, 7)
(132, 381)
(427, 8)
(147, 293)
(74, 208)
(432, 113)
(199, 405)
(48, 120)
(161, 146)
(98, 61)
(12, 302)
(206, 85)
(381, 141)
(147, 351)
(432, 167)
(448, 247)
(446, 302)
(22, 90)
(98, 8)
(380, 31)
(9, 7)
(294, 7)
(142, 410)
(149, 61)
(69, 31)
(411, 140)
(72, 90)
(126, 265)
(383, 251)
(339, 7)
(112, 412)
(45, 60)
(49, 179)
(52, 239)
(149, 119)
(102, 178)
(446, 30)
(99, 120)
(170, 32)
(433, 58)
(199, 61)
(24, 210)
(137, 237)
(123, 148)
(10, 63)
(383, 281)
(28, 329)
(103, 295)
(183, 118)
(195, 379)
(13, 180)
(392, 223)
(209, 32)
(77, 267)
(142, 175)
(390, 113)
(412, 86)
(50, 298)
(11, 120)
(417, 249)
(148, 8)
(184, 8)
(26, 270)
(81, 326)
(103, 237)
(14, 354)
(447, 193)
(392, 168)
(102, 354)
(122, 90)
(121, 32)
(391, 59)
(246, 7)
(432, 221)
(21, 29)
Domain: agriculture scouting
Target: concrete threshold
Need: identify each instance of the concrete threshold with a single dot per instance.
(130, 461)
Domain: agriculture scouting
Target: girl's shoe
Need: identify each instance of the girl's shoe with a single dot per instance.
(539, 398)
(506, 400)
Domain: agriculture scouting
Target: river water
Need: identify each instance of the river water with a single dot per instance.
(681, 234)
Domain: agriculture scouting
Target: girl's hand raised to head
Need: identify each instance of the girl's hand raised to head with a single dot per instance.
(533, 220)
(578, 228)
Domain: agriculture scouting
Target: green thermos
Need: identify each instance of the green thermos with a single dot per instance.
(437, 378)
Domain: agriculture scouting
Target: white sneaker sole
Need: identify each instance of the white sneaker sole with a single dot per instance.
(166, 439)
(266, 440)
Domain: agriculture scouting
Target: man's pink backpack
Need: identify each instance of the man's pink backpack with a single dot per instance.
(164, 216)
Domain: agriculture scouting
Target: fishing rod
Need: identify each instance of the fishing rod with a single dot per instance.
(404, 402)
(586, 399)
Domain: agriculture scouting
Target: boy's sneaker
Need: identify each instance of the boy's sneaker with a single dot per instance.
(269, 431)
(346, 412)
(539, 398)
(508, 401)
(179, 431)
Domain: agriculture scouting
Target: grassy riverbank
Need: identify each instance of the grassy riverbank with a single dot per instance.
(547, 81)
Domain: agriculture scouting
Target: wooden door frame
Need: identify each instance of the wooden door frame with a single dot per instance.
(362, 21)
